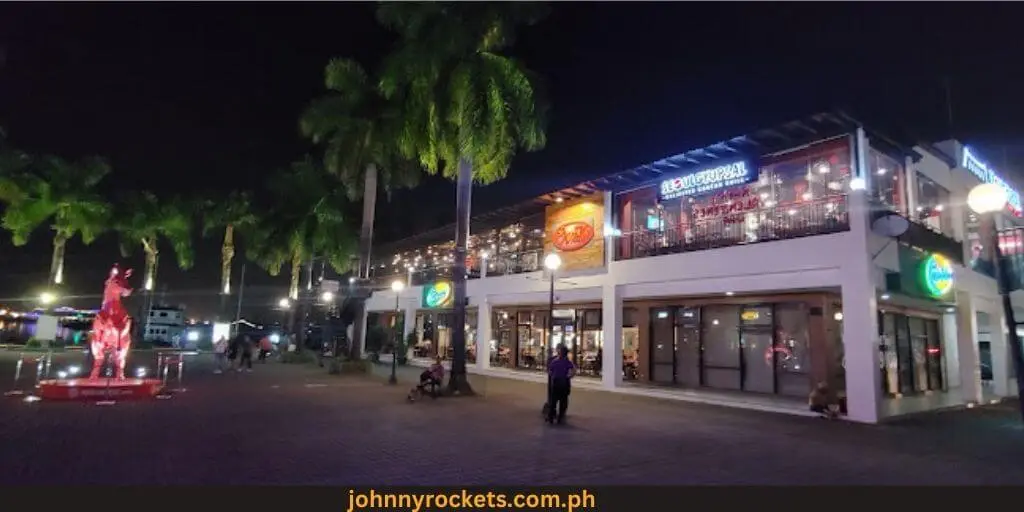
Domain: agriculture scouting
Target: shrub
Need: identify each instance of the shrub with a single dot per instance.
(33, 343)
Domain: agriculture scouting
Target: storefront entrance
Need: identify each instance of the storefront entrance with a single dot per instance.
(912, 361)
(756, 348)
(521, 338)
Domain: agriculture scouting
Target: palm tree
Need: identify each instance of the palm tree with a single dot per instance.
(358, 127)
(305, 223)
(145, 220)
(232, 213)
(467, 108)
(55, 191)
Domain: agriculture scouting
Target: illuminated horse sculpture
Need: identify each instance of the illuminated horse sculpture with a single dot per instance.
(111, 330)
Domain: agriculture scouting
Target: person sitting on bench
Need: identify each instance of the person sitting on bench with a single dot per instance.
(431, 377)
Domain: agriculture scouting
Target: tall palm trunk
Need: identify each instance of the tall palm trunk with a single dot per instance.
(227, 254)
(365, 249)
(293, 294)
(152, 259)
(60, 242)
(458, 383)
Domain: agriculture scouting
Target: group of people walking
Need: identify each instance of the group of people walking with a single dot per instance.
(238, 353)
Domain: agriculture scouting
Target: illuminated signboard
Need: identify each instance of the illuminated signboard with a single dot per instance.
(439, 295)
(937, 275)
(708, 180)
(987, 174)
(572, 236)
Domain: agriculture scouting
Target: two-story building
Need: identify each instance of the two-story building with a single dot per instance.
(743, 273)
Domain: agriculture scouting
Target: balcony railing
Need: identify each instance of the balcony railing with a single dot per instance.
(1011, 243)
(780, 222)
(498, 265)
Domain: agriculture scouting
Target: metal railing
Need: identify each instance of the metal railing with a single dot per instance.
(497, 265)
(781, 222)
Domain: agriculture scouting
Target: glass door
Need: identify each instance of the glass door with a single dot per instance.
(688, 349)
(663, 347)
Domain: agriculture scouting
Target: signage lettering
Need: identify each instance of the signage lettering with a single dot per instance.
(572, 236)
(989, 175)
(438, 295)
(708, 180)
(731, 204)
(937, 275)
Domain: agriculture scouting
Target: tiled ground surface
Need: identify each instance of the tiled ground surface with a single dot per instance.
(296, 425)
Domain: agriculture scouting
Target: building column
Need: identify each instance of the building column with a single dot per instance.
(483, 334)
(362, 339)
(966, 357)
(860, 307)
(409, 324)
(999, 350)
(611, 334)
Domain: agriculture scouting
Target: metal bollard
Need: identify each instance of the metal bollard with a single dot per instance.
(49, 360)
(181, 371)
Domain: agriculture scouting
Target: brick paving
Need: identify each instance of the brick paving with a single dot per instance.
(284, 424)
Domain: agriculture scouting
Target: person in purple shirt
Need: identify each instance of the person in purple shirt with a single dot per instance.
(560, 373)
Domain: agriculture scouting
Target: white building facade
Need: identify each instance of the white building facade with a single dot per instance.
(745, 273)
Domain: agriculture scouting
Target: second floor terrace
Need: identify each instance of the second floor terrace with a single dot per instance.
(782, 183)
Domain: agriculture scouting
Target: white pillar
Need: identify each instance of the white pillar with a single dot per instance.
(611, 333)
(860, 307)
(362, 340)
(966, 357)
(999, 350)
(910, 182)
(483, 334)
(409, 325)
(483, 264)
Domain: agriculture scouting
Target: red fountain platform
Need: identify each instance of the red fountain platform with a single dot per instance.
(99, 389)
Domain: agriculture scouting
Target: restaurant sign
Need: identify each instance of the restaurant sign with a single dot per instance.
(937, 275)
(439, 295)
(572, 236)
(707, 180)
(987, 174)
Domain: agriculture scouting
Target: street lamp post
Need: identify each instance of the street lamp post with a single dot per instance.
(986, 200)
(552, 262)
(397, 287)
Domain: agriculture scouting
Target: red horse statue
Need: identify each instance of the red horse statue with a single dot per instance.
(111, 330)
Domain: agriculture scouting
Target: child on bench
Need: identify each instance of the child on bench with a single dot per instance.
(431, 377)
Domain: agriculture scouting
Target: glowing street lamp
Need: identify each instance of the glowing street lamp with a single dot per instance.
(987, 200)
(284, 304)
(327, 297)
(397, 287)
(47, 298)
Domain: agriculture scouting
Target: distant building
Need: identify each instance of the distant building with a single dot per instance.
(165, 324)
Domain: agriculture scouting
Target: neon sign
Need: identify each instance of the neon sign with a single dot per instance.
(572, 236)
(937, 275)
(989, 175)
(438, 295)
(708, 180)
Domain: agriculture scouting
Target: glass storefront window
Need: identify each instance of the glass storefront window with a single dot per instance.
(888, 182)
(796, 195)
(912, 361)
(721, 347)
(630, 345)
(503, 341)
(933, 206)
(792, 349)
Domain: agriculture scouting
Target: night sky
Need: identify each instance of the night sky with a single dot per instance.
(205, 96)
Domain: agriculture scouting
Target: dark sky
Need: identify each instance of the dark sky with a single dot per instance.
(182, 97)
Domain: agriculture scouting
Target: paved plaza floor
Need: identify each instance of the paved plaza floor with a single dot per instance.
(286, 424)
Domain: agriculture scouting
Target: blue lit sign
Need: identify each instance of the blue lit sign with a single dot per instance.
(988, 175)
(708, 180)
(654, 223)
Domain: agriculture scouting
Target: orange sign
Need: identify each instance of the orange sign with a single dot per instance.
(574, 229)
(572, 236)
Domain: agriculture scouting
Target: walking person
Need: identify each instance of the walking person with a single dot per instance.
(245, 348)
(560, 373)
(220, 349)
(266, 347)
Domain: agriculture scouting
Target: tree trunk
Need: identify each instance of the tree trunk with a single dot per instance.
(57, 262)
(227, 254)
(152, 258)
(365, 250)
(457, 383)
(293, 294)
